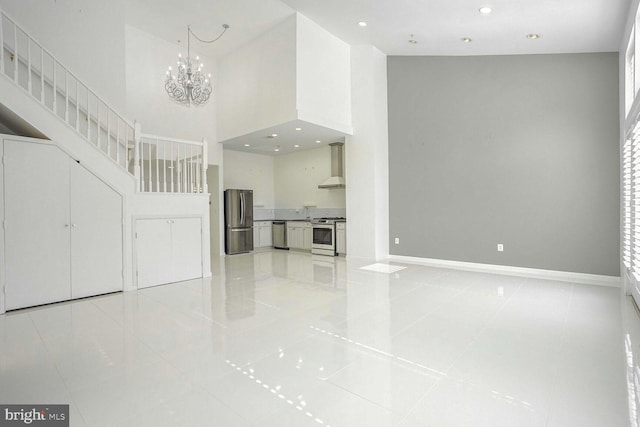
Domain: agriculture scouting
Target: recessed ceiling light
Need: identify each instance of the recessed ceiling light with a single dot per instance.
(466, 39)
(247, 145)
(273, 135)
(362, 24)
(318, 141)
(533, 36)
(296, 146)
(276, 149)
(298, 128)
(485, 10)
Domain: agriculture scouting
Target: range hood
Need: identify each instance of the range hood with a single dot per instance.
(336, 180)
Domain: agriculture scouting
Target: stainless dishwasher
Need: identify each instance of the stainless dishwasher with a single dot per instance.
(279, 235)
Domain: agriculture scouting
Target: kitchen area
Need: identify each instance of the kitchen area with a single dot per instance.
(292, 201)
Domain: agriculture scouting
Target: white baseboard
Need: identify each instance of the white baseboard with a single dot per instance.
(563, 276)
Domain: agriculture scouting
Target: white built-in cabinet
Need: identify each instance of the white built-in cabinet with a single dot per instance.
(262, 235)
(341, 238)
(63, 229)
(307, 236)
(299, 235)
(168, 250)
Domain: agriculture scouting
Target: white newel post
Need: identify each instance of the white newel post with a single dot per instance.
(137, 138)
(205, 164)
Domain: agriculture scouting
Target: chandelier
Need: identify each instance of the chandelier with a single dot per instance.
(189, 85)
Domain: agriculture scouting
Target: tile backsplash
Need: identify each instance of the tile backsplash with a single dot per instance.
(260, 214)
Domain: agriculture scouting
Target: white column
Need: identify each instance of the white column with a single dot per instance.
(366, 157)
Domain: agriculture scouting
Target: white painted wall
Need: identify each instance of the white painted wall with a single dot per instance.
(258, 83)
(284, 182)
(297, 176)
(251, 172)
(366, 156)
(86, 36)
(323, 77)
(297, 70)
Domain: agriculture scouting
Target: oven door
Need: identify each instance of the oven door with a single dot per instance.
(324, 239)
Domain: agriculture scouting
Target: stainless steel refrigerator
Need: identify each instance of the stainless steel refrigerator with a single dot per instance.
(238, 219)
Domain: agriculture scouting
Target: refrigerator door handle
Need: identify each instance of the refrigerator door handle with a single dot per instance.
(242, 208)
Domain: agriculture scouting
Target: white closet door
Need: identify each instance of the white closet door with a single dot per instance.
(96, 235)
(153, 250)
(186, 239)
(37, 241)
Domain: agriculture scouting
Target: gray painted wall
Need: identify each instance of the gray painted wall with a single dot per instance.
(518, 150)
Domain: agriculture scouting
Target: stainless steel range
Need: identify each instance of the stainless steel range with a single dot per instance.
(324, 236)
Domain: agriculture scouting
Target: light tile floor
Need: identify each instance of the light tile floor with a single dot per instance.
(289, 339)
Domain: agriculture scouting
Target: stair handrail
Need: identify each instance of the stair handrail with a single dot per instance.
(56, 64)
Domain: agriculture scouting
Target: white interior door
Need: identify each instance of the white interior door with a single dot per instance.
(186, 239)
(37, 236)
(153, 251)
(96, 235)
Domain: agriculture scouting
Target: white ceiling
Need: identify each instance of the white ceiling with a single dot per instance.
(262, 141)
(564, 26)
(438, 25)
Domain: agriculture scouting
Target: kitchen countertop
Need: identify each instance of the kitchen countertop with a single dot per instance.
(286, 220)
(293, 220)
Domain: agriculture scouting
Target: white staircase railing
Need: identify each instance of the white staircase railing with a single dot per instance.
(46, 79)
(169, 165)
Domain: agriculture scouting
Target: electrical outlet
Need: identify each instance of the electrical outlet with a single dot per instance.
(397, 240)
(500, 247)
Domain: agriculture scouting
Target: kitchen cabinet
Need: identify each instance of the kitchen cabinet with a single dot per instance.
(256, 236)
(341, 238)
(262, 236)
(168, 250)
(63, 228)
(299, 235)
(294, 236)
(307, 237)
